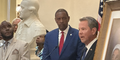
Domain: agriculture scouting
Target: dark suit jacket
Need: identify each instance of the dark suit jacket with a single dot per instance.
(91, 52)
(71, 49)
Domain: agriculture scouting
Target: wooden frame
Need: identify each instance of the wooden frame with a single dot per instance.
(105, 31)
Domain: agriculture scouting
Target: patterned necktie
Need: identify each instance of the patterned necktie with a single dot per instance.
(5, 48)
(61, 43)
(5, 45)
(84, 53)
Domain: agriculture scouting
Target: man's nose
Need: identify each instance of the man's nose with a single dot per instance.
(16, 26)
(7, 28)
(80, 32)
(61, 20)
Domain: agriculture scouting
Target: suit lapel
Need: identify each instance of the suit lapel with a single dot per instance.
(82, 53)
(56, 42)
(91, 51)
(10, 48)
(68, 39)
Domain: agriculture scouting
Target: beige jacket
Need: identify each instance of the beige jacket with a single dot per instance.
(17, 50)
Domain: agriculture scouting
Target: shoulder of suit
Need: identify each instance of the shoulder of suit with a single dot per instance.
(20, 41)
(74, 29)
(53, 31)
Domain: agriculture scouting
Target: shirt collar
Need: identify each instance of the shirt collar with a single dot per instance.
(28, 22)
(65, 31)
(91, 43)
(10, 41)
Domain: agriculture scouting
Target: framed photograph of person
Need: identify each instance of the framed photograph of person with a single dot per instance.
(108, 45)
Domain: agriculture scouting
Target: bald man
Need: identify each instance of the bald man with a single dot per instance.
(15, 23)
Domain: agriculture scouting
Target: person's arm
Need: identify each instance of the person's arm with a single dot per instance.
(25, 54)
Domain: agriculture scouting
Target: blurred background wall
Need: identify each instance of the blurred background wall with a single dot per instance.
(75, 8)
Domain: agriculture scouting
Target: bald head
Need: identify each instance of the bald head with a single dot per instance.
(29, 8)
(15, 23)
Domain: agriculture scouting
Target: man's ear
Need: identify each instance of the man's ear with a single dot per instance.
(32, 9)
(68, 18)
(94, 30)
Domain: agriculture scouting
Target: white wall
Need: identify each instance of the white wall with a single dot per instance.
(18, 2)
(76, 9)
(3, 10)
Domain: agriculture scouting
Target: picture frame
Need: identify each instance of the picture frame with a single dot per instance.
(111, 14)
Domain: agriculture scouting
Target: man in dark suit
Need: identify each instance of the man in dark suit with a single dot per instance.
(65, 45)
(88, 28)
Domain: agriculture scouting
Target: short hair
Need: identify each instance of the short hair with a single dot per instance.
(61, 10)
(3, 23)
(92, 22)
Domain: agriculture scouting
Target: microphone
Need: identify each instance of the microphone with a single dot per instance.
(50, 52)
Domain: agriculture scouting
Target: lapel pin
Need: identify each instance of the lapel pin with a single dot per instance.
(90, 49)
(70, 34)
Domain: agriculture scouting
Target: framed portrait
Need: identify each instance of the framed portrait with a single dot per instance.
(109, 35)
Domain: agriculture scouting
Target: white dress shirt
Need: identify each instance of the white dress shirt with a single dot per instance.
(9, 42)
(65, 33)
(90, 44)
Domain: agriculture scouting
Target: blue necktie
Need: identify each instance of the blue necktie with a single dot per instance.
(84, 53)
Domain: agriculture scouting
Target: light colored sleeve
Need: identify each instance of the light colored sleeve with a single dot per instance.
(25, 54)
(38, 31)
